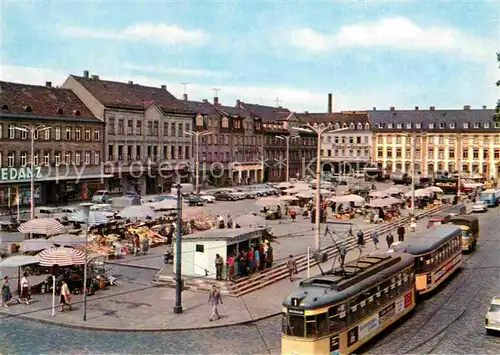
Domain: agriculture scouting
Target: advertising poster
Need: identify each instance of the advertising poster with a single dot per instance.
(352, 336)
(387, 312)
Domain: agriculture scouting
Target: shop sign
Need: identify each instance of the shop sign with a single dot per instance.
(368, 326)
(387, 312)
(23, 173)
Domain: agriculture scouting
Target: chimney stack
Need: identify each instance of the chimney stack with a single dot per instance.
(48, 84)
(238, 103)
(95, 77)
(86, 74)
(130, 82)
(216, 100)
(484, 107)
(330, 103)
(205, 101)
(185, 97)
(467, 107)
(306, 112)
(374, 108)
(432, 108)
(164, 87)
(416, 108)
(393, 108)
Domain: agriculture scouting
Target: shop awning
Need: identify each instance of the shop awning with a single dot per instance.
(60, 178)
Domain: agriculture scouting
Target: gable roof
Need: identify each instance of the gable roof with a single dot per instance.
(267, 113)
(436, 117)
(234, 111)
(332, 118)
(131, 96)
(203, 108)
(34, 100)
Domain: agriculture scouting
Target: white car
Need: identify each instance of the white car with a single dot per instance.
(480, 206)
(207, 198)
(492, 318)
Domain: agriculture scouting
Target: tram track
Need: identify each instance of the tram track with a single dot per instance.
(475, 273)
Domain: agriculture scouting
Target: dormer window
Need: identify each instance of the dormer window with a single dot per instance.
(408, 125)
(5, 108)
(389, 125)
(441, 125)
(199, 120)
(380, 125)
(351, 126)
(367, 126)
(418, 125)
(497, 124)
(477, 125)
(76, 112)
(431, 125)
(225, 122)
(399, 126)
(360, 126)
(27, 108)
(344, 125)
(466, 125)
(60, 111)
(337, 125)
(452, 125)
(486, 125)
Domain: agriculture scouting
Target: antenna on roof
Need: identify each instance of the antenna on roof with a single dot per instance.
(278, 102)
(185, 84)
(216, 92)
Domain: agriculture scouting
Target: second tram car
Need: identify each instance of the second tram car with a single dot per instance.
(438, 254)
(340, 311)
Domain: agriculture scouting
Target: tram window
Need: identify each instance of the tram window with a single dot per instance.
(283, 323)
(311, 327)
(295, 326)
(335, 322)
(322, 324)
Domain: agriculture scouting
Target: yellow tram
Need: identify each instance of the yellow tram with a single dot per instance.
(438, 254)
(340, 311)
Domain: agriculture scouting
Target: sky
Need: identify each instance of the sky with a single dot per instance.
(288, 53)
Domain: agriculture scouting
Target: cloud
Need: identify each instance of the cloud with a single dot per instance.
(156, 33)
(397, 33)
(177, 71)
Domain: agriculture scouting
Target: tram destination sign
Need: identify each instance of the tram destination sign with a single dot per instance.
(23, 173)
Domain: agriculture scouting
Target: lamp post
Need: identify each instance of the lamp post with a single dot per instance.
(86, 212)
(178, 253)
(32, 130)
(319, 130)
(197, 135)
(287, 139)
(413, 175)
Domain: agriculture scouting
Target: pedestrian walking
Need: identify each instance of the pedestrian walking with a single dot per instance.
(229, 222)
(374, 237)
(342, 253)
(6, 294)
(219, 261)
(230, 267)
(390, 239)
(361, 240)
(145, 245)
(137, 245)
(401, 233)
(214, 299)
(292, 267)
(65, 296)
(25, 289)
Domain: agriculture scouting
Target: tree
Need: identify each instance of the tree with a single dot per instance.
(497, 109)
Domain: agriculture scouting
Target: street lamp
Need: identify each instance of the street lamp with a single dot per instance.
(86, 212)
(32, 130)
(197, 135)
(319, 130)
(287, 139)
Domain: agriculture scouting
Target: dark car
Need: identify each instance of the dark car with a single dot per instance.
(194, 200)
(224, 196)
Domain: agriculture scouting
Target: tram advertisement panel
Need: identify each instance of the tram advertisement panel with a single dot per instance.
(387, 312)
(352, 336)
(368, 326)
(334, 345)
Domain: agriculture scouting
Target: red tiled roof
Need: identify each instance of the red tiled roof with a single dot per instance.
(132, 96)
(41, 101)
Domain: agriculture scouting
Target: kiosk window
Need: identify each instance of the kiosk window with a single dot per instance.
(200, 248)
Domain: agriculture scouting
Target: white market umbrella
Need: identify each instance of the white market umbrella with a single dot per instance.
(67, 239)
(288, 198)
(383, 202)
(137, 212)
(283, 185)
(393, 190)
(61, 257)
(35, 245)
(19, 260)
(379, 194)
(266, 201)
(305, 194)
(435, 189)
(420, 193)
(196, 213)
(44, 226)
(165, 205)
(348, 198)
(95, 218)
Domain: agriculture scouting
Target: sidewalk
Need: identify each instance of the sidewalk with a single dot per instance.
(135, 307)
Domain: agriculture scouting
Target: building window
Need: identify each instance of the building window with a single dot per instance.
(440, 140)
(120, 127)
(440, 153)
(97, 158)
(380, 140)
(68, 133)
(477, 125)
(417, 154)
(46, 159)
(150, 128)
(430, 154)
(465, 154)
(78, 134)
(138, 128)
(389, 152)
(485, 154)
(165, 128)
(497, 153)
(398, 140)
(398, 152)
(399, 126)
(172, 129)
(11, 157)
(389, 139)
(180, 133)
(57, 158)
(24, 157)
(35, 134)
(87, 158)
(237, 124)
(389, 125)
(67, 158)
(156, 128)
(380, 125)
(226, 139)
(486, 125)
(187, 155)
(475, 154)
(352, 126)
(77, 158)
(225, 122)
(441, 125)
(431, 125)
(1, 131)
(111, 125)
(408, 125)
(24, 134)
(36, 158)
(451, 153)
(418, 125)
(199, 120)
(172, 152)
(47, 134)
(466, 125)
(130, 127)
(452, 125)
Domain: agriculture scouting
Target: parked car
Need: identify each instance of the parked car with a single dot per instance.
(480, 206)
(225, 196)
(492, 318)
(101, 196)
(247, 193)
(238, 194)
(194, 200)
(207, 198)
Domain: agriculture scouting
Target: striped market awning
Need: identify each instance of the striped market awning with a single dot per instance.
(96, 218)
(44, 226)
(61, 257)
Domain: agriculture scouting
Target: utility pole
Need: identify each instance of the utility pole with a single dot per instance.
(197, 135)
(287, 139)
(278, 102)
(178, 254)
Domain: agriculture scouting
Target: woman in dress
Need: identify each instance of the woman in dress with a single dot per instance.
(6, 295)
(65, 296)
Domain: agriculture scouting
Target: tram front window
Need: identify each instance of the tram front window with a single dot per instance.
(295, 326)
